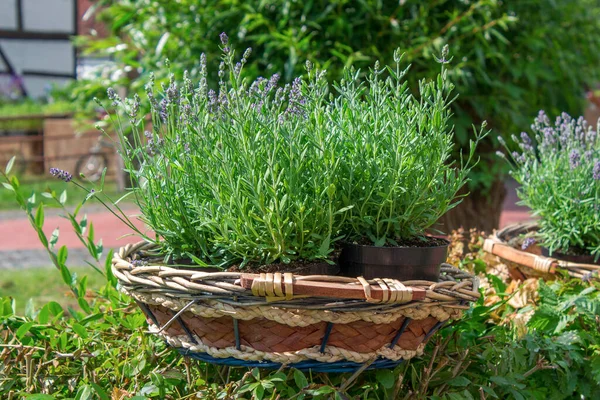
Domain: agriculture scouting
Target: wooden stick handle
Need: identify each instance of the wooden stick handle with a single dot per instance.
(519, 257)
(332, 289)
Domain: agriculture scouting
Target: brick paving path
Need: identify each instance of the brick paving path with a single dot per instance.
(20, 247)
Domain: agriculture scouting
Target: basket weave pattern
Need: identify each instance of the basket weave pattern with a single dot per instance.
(219, 315)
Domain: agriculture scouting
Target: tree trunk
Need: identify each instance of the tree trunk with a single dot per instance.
(477, 210)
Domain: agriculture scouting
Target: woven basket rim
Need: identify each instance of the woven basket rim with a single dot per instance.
(455, 286)
(498, 245)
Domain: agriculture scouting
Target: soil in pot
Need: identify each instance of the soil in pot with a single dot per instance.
(415, 259)
(298, 267)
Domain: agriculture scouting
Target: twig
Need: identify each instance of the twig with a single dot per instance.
(356, 374)
(399, 383)
(481, 393)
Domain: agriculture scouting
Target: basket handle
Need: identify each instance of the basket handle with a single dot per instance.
(279, 286)
(539, 263)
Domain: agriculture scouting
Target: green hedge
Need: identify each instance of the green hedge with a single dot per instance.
(511, 58)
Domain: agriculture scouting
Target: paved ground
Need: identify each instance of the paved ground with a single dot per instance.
(20, 247)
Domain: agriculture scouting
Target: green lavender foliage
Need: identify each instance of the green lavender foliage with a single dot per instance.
(559, 173)
(257, 172)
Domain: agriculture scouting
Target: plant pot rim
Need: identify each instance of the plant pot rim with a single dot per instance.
(369, 246)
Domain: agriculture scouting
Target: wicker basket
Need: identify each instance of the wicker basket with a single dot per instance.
(506, 244)
(319, 322)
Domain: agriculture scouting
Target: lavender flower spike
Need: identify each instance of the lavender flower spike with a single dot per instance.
(224, 38)
(527, 243)
(574, 159)
(596, 171)
(61, 174)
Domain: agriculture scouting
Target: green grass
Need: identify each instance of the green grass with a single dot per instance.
(44, 284)
(74, 194)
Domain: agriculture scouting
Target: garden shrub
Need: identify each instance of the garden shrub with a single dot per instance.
(106, 353)
(512, 58)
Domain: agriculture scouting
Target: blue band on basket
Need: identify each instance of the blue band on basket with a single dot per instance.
(316, 366)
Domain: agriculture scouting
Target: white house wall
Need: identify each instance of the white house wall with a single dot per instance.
(48, 15)
(35, 41)
(8, 14)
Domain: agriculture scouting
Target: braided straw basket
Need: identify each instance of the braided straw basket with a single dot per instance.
(506, 244)
(320, 322)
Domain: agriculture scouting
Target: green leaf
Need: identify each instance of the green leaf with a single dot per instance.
(66, 275)
(29, 309)
(55, 308)
(9, 165)
(23, 329)
(300, 379)
(62, 255)
(83, 303)
(84, 393)
(39, 216)
(100, 392)
(459, 381)
(39, 396)
(385, 377)
(54, 238)
(63, 197)
(259, 392)
(44, 315)
(8, 186)
(80, 330)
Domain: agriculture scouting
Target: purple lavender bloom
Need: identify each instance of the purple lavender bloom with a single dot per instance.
(549, 136)
(61, 174)
(237, 68)
(172, 93)
(542, 119)
(163, 110)
(112, 95)
(526, 142)
(575, 159)
(224, 38)
(588, 155)
(528, 242)
(596, 171)
(272, 83)
(135, 106)
(518, 157)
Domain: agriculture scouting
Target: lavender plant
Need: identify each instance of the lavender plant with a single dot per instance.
(559, 173)
(259, 172)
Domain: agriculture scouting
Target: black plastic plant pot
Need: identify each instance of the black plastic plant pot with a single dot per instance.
(576, 258)
(401, 263)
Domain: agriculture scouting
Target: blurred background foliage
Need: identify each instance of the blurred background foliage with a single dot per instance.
(510, 58)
